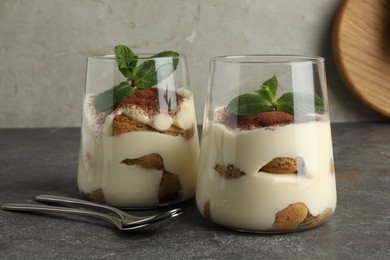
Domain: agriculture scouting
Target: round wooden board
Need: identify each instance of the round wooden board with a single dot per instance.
(361, 46)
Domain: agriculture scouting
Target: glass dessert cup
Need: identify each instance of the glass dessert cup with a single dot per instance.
(266, 157)
(142, 150)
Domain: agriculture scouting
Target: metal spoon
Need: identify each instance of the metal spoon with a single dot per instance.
(127, 219)
(125, 222)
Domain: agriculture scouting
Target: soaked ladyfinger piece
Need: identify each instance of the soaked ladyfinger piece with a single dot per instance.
(207, 209)
(283, 165)
(169, 187)
(151, 161)
(290, 217)
(229, 171)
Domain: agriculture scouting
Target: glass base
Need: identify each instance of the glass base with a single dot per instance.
(98, 197)
(310, 222)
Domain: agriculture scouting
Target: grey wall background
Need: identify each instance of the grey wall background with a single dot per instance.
(44, 45)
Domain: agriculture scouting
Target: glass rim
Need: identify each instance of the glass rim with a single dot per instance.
(268, 58)
(141, 56)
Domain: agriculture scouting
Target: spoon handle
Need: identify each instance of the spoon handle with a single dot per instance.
(44, 208)
(73, 201)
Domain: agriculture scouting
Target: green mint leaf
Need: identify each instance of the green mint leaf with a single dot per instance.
(149, 73)
(268, 88)
(111, 97)
(299, 103)
(172, 54)
(249, 104)
(145, 75)
(126, 60)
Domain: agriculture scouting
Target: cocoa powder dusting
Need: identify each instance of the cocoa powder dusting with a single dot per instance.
(265, 119)
(153, 101)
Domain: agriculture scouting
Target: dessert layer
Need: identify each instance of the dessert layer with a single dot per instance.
(158, 108)
(252, 201)
(127, 179)
(142, 153)
(123, 124)
(149, 109)
(264, 119)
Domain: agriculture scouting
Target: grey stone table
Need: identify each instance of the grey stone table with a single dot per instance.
(37, 161)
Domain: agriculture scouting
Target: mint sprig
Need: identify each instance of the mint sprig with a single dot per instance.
(249, 104)
(148, 74)
(300, 103)
(263, 100)
(143, 76)
(108, 98)
(126, 60)
(268, 88)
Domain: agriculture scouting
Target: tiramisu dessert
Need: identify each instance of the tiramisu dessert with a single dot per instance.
(267, 170)
(142, 151)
